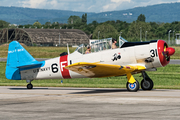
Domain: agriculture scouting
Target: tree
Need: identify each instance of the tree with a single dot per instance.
(134, 30)
(95, 23)
(3, 24)
(106, 31)
(48, 23)
(27, 26)
(177, 27)
(37, 24)
(84, 18)
(141, 18)
(74, 20)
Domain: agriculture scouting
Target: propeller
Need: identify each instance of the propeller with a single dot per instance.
(168, 51)
(164, 52)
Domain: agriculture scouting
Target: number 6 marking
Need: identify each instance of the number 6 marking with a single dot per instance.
(54, 68)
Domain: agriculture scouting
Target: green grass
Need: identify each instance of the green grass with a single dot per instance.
(177, 52)
(164, 78)
(39, 52)
(51, 52)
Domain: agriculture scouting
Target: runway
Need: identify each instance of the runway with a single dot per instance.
(48, 103)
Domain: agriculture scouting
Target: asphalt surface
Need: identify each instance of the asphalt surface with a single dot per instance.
(47, 103)
(41, 59)
(18, 103)
(174, 62)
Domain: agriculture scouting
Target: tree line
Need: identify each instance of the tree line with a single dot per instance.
(139, 29)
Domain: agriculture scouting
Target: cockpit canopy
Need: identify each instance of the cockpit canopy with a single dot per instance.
(99, 45)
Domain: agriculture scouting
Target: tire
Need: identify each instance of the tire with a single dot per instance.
(29, 86)
(132, 87)
(148, 85)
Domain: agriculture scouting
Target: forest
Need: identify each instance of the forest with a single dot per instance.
(134, 31)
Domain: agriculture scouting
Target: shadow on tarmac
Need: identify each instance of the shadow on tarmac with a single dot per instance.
(81, 90)
(85, 90)
(28, 89)
(94, 91)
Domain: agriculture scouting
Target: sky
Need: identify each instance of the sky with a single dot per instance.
(84, 5)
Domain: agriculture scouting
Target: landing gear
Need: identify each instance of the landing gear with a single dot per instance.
(132, 84)
(146, 83)
(132, 87)
(29, 86)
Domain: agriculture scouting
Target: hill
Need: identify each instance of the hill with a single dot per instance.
(19, 15)
(155, 13)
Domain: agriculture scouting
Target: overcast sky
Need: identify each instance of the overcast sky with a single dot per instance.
(83, 5)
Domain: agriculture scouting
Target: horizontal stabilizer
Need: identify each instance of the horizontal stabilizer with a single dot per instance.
(30, 65)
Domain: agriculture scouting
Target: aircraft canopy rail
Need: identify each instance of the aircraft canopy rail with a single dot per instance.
(100, 45)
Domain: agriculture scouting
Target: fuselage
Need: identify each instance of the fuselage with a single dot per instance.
(146, 53)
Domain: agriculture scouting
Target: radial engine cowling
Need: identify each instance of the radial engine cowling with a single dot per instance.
(164, 52)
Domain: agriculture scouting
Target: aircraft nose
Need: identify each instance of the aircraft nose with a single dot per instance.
(170, 50)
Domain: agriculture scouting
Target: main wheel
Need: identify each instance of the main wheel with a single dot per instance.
(132, 87)
(29, 86)
(147, 84)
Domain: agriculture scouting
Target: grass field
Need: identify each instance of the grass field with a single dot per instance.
(39, 52)
(164, 78)
(177, 52)
(51, 52)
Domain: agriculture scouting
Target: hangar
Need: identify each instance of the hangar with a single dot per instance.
(44, 37)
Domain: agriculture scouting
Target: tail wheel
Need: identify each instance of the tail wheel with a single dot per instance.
(29, 86)
(147, 84)
(132, 87)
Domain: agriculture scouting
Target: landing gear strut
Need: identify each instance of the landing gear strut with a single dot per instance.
(29, 86)
(146, 83)
(132, 84)
(132, 87)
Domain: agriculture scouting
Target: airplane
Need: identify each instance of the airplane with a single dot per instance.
(103, 61)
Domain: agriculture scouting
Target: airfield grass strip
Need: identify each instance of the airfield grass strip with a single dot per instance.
(164, 78)
(39, 52)
(51, 52)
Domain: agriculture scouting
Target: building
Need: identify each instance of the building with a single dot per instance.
(177, 38)
(44, 37)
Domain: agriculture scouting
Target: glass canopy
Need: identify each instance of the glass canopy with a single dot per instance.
(99, 45)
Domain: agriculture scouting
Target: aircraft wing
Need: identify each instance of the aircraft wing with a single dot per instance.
(103, 70)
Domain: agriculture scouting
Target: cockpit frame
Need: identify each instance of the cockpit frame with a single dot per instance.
(100, 45)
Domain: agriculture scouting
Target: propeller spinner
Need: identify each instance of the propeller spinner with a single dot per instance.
(164, 52)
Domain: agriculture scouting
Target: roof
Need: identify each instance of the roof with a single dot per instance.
(70, 36)
(45, 36)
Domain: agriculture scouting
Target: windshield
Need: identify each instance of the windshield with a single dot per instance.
(121, 41)
(80, 49)
(99, 45)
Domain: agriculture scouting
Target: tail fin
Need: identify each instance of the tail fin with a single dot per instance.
(17, 59)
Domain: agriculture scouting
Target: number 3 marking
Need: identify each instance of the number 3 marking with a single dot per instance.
(153, 53)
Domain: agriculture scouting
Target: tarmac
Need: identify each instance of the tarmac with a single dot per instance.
(61, 103)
